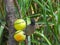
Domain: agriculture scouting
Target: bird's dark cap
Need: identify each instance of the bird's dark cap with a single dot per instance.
(32, 21)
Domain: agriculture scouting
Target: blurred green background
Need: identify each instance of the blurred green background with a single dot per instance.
(45, 12)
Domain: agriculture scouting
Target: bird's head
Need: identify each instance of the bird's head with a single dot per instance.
(32, 21)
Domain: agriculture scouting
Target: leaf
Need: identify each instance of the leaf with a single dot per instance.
(28, 21)
(38, 33)
(24, 5)
(1, 31)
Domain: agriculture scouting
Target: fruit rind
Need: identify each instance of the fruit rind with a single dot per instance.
(19, 36)
(19, 24)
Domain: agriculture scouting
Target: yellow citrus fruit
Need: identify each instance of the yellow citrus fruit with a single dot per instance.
(19, 36)
(19, 24)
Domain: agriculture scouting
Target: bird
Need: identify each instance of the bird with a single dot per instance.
(31, 27)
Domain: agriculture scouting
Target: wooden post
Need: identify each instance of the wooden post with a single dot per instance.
(10, 17)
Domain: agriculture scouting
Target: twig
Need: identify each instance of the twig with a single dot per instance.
(18, 7)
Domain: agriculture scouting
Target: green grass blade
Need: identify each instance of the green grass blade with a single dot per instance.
(1, 31)
(38, 33)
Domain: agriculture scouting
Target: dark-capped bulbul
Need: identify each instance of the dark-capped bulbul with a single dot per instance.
(30, 28)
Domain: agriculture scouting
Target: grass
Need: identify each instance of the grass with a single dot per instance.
(46, 14)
